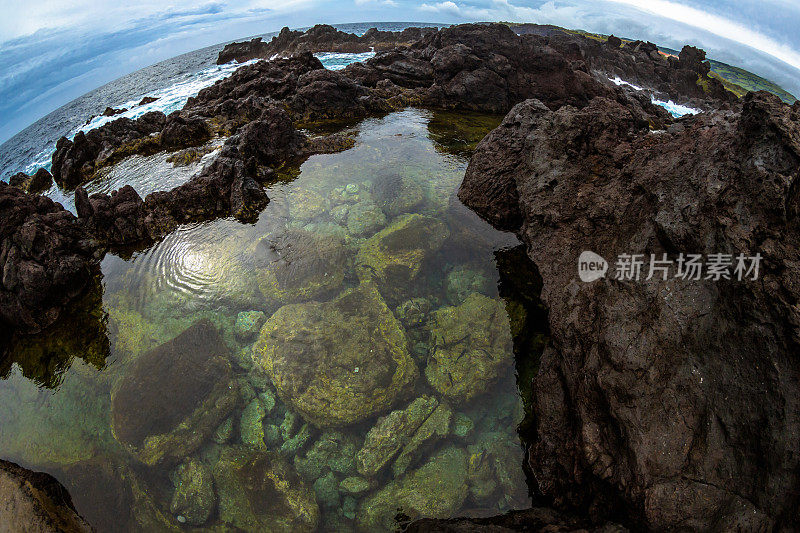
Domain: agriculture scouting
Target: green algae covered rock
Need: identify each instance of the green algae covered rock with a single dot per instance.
(194, 498)
(496, 479)
(364, 219)
(261, 491)
(251, 427)
(333, 451)
(305, 204)
(297, 265)
(248, 324)
(471, 347)
(463, 280)
(413, 313)
(394, 256)
(171, 399)
(337, 362)
(437, 489)
(435, 428)
(354, 485)
(391, 433)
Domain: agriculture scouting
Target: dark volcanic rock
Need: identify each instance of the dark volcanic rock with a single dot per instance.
(35, 501)
(537, 519)
(37, 183)
(482, 67)
(672, 402)
(46, 259)
(320, 38)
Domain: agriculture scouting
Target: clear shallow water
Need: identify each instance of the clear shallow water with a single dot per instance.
(379, 290)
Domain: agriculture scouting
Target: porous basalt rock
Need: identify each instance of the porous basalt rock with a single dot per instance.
(47, 259)
(647, 396)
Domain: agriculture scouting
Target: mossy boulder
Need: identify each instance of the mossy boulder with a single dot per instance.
(171, 399)
(471, 347)
(261, 491)
(437, 489)
(391, 433)
(397, 194)
(333, 451)
(463, 280)
(394, 256)
(337, 362)
(364, 219)
(296, 265)
(194, 499)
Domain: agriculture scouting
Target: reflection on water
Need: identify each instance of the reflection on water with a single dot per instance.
(345, 360)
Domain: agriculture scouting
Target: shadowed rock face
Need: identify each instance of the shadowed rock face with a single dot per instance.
(35, 501)
(676, 399)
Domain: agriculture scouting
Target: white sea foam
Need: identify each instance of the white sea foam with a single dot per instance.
(676, 110)
(337, 61)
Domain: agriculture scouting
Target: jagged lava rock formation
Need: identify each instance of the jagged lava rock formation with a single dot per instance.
(672, 403)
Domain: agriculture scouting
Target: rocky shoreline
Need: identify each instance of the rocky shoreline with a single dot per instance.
(657, 405)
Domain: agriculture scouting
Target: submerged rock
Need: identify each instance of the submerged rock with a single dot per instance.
(261, 491)
(397, 194)
(194, 498)
(298, 265)
(171, 399)
(333, 450)
(471, 347)
(391, 433)
(248, 324)
(433, 429)
(337, 362)
(394, 256)
(364, 218)
(437, 489)
(464, 280)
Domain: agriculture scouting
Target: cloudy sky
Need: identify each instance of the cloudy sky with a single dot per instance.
(52, 51)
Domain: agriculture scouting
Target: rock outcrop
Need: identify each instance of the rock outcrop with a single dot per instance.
(672, 402)
(36, 183)
(47, 259)
(320, 38)
(35, 502)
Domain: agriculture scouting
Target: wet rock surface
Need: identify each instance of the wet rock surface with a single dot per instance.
(648, 394)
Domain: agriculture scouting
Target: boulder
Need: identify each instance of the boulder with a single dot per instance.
(337, 362)
(437, 489)
(171, 399)
(261, 491)
(391, 433)
(471, 347)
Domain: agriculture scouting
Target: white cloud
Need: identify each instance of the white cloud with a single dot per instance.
(717, 25)
(389, 3)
